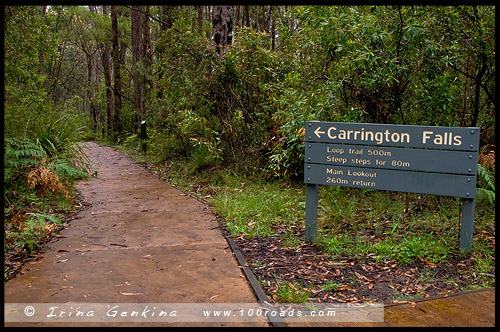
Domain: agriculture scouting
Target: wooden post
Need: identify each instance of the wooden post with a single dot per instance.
(467, 224)
(312, 191)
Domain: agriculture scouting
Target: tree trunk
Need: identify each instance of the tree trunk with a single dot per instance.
(137, 55)
(266, 18)
(116, 70)
(222, 28)
(106, 62)
(273, 28)
(41, 53)
(200, 18)
(247, 16)
(148, 59)
(237, 18)
(165, 17)
(91, 84)
(208, 17)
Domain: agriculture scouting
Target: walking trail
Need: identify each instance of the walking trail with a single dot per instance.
(142, 241)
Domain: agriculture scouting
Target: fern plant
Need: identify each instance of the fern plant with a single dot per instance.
(485, 185)
(19, 154)
(29, 235)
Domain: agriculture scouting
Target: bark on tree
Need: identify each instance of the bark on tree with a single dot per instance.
(106, 62)
(266, 18)
(273, 28)
(200, 18)
(222, 28)
(237, 18)
(148, 58)
(247, 16)
(116, 70)
(92, 79)
(137, 55)
(41, 54)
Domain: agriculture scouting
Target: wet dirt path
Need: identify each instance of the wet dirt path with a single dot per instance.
(140, 241)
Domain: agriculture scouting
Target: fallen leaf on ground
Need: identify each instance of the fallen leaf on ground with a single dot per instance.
(122, 293)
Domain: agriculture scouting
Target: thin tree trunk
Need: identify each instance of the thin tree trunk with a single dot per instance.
(148, 59)
(92, 78)
(266, 19)
(247, 16)
(200, 18)
(106, 62)
(238, 15)
(137, 54)
(41, 53)
(273, 29)
(116, 70)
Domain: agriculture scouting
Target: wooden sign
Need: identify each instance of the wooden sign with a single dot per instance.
(416, 159)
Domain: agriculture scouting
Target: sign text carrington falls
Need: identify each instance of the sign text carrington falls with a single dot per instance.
(417, 159)
(395, 135)
(381, 137)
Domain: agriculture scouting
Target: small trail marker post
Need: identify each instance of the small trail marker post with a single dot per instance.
(415, 159)
(144, 136)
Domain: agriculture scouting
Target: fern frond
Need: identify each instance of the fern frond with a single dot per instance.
(64, 169)
(482, 194)
(486, 185)
(485, 176)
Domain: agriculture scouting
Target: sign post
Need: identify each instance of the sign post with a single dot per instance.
(312, 193)
(416, 159)
(144, 136)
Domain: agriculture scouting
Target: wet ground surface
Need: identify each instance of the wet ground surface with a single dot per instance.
(469, 309)
(140, 241)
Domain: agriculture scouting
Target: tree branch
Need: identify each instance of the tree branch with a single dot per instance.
(153, 18)
(481, 84)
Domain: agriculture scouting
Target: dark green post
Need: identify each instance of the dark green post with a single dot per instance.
(144, 136)
(312, 191)
(467, 224)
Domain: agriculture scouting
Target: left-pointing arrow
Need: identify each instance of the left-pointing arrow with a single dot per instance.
(318, 131)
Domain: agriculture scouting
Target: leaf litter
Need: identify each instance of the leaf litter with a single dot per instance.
(357, 279)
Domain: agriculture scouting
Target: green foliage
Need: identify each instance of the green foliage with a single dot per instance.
(204, 154)
(38, 175)
(253, 208)
(486, 185)
(331, 286)
(19, 155)
(30, 234)
(412, 249)
(426, 65)
(289, 292)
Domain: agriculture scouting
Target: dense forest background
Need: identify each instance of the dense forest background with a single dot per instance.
(228, 86)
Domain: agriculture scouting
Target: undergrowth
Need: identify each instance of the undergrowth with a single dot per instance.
(39, 175)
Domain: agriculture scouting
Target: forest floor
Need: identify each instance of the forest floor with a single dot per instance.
(348, 279)
(313, 274)
(124, 215)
